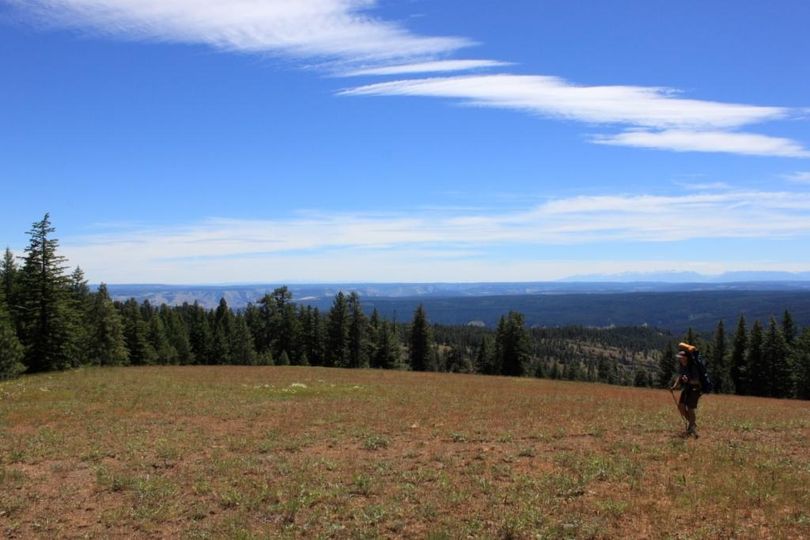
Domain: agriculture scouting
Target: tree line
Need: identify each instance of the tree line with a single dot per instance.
(767, 361)
(50, 319)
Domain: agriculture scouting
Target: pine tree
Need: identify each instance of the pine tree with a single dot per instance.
(241, 342)
(136, 335)
(177, 334)
(801, 362)
(788, 328)
(315, 337)
(337, 337)
(165, 353)
(11, 350)
(512, 345)
(719, 366)
(106, 345)
(199, 334)
(358, 345)
(690, 337)
(221, 335)
(421, 341)
(775, 359)
(387, 348)
(47, 317)
(280, 322)
(485, 359)
(739, 359)
(756, 368)
(666, 367)
(9, 274)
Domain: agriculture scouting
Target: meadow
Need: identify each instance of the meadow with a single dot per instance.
(293, 452)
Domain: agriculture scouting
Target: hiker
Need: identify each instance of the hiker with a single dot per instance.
(689, 382)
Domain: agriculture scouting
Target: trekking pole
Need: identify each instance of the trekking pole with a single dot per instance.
(672, 392)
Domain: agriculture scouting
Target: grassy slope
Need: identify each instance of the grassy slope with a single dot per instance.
(243, 452)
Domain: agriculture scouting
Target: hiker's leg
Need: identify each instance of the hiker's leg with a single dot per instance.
(692, 419)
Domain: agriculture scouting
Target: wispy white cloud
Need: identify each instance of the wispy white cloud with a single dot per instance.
(317, 243)
(345, 37)
(799, 177)
(435, 66)
(703, 186)
(554, 97)
(731, 142)
(338, 30)
(661, 117)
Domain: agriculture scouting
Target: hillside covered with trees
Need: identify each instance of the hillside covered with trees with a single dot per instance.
(50, 319)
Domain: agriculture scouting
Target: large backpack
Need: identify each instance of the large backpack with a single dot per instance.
(706, 385)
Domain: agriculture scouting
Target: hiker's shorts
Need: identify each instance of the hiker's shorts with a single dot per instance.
(689, 397)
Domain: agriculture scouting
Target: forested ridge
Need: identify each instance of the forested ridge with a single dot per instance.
(50, 319)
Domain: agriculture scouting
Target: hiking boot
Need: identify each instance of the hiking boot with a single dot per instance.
(693, 432)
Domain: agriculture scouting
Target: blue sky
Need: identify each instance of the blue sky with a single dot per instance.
(190, 141)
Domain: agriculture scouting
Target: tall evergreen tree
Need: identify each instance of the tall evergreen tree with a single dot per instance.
(314, 337)
(241, 342)
(358, 344)
(512, 345)
(221, 333)
(789, 330)
(719, 360)
(11, 350)
(690, 337)
(8, 283)
(801, 362)
(485, 359)
(337, 337)
(106, 345)
(136, 335)
(177, 333)
(165, 353)
(739, 359)
(387, 347)
(775, 360)
(200, 334)
(420, 342)
(47, 316)
(666, 367)
(757, 370)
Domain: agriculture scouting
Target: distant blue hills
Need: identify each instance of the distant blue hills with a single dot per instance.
(670, 301)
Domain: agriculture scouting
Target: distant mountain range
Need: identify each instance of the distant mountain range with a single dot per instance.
(692, 277)
(625, 301)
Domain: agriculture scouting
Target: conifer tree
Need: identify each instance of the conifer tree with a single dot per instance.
(200, 334)
(11, 350)
(801, 362)
(719, 365)
(775, 359)
(420, 342)
(315, 337)
(106, 345)
(387, 348)
(666, 367)
(739, 359)
(136, 335)
(512, 345)
(47, 317)
(165, 353)
(757, 370)
(8, 283)
(241, 342)
(788, 328)
(485, 359)
(337, 337)
(177, 333)
(220, 337)
(358, 345)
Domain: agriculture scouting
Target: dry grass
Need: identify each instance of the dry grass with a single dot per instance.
(241, 452)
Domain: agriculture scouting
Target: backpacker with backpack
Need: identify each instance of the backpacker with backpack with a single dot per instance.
(706, 385)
